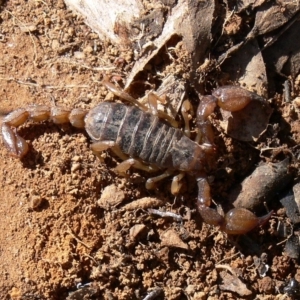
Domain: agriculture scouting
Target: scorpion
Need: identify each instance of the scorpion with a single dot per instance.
(149, 139)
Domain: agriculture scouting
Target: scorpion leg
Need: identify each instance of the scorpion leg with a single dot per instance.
(98, 147)
(150, 183)
(122, 94)
(175, 186)
(132, 162)
(152, 101)
(176, 183)
(121, 168)
(185, 108)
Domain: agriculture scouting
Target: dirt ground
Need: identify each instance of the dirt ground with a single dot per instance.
(57, 238)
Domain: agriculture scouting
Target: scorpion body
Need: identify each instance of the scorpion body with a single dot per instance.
(146, 140)
(144, 136)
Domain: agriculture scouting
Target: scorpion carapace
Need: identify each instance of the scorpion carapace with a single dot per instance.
(149, 139)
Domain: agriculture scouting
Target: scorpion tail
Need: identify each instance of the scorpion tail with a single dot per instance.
(16, 145)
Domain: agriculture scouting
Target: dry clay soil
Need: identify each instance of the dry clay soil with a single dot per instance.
(53, 234)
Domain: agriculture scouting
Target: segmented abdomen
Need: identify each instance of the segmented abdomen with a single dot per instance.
(138, 134)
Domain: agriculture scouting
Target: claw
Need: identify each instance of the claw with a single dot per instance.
(233, 98)
(241, 221)
(236, 221)
(230, 98)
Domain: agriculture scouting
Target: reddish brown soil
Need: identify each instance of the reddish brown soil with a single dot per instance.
(53, 234)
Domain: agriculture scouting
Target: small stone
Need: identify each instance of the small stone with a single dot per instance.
(297, 101)
(234, 284)
(15, 293)
(73, 191)
(75, 167)
(266, 285)
(111, 197)
(79, 55)
(55, 44)
(76, 158)
(36, 201)
(136, 231)
(28, 28)
(88, 49)
(200, 296)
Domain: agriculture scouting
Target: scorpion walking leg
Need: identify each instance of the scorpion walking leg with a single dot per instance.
(150, 183)
(185, 108)
(176, 183)
(152, 101)
(175, 186)
(101, 146)
(121, 168)
(132, 162)
(122, 94)
(127, 163)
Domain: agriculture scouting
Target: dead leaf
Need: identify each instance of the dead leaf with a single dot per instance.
(170, 238)
(261, 186)
(249, 123)
(249, 4)
(270, 17)
(233, 284)
(284, 55)
(247, 67)
(148, 32)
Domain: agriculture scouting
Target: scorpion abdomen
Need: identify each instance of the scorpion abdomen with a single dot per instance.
(142, 135)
